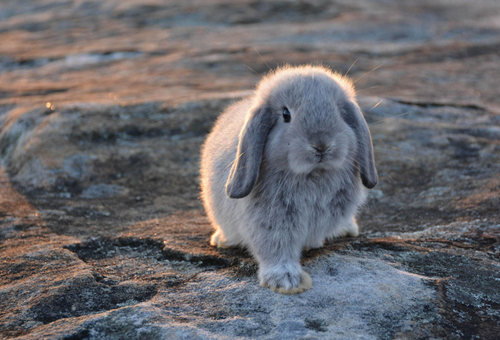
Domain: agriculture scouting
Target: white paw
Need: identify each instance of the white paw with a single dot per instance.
(313, 246)
(286, 281)
(219, 240)
(351, 229)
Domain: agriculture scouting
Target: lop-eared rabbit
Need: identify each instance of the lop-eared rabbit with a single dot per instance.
(287, 168)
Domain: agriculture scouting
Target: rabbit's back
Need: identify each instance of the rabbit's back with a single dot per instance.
(217, 156)
(219, 149)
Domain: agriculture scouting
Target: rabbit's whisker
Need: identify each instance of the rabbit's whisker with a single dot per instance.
(350, 67)
(383, 120)
(228, 165)
(375, 105)
(392, 179)
(241, 154)
(262, 58)
(235, 159)
(367, 73)
(251, 69)
(395, 154)
(368, 88)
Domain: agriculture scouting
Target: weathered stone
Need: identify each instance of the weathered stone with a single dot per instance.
(103, 109)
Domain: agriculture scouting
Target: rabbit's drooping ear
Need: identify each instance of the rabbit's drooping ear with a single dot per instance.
(252, 140)
(364, 154)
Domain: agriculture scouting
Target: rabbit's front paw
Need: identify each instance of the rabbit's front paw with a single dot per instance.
(219, 240)
(351, 229)
(285, 281)
(313, 245)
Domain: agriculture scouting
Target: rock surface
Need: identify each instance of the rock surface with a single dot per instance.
(102, 234)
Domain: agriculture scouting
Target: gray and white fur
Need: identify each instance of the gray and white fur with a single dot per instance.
(277, 188)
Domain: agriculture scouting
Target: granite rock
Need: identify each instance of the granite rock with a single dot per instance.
(103, 109)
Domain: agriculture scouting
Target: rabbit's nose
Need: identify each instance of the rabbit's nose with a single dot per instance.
(320, 148)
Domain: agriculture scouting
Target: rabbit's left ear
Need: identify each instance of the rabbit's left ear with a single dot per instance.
(252, 139)
(352, 115)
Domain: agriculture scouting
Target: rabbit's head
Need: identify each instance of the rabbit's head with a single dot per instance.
(304, 120)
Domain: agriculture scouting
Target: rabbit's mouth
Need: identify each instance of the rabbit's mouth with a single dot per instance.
(327, 159)
(309, 157)
(319, 157)
(322, 153)
(321, 160)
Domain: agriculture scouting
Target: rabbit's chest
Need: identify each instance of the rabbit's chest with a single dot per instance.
(310, 204)
(322, 206)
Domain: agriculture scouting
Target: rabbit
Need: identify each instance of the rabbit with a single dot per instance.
(287, 168)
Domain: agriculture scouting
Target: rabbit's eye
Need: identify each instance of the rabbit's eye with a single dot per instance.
(287, 115)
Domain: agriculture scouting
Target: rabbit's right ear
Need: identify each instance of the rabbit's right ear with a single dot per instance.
(364, 155)
(252, 139)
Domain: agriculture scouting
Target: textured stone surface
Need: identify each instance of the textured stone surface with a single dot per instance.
(102, 234)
